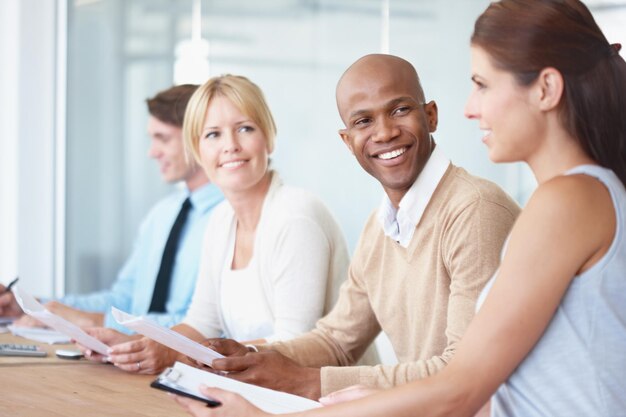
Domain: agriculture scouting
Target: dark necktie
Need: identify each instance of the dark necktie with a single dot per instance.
(162, 286)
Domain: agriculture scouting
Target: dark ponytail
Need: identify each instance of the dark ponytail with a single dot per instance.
(525, 36)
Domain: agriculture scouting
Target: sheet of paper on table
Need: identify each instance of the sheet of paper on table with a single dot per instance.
(40, 334)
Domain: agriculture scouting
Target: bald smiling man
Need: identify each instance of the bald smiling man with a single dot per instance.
(422, 259)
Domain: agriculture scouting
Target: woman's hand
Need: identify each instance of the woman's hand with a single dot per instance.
(348, 394)
(107, 336)
(233, 405)
(143, 356)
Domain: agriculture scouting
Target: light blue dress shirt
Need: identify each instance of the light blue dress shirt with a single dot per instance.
(132, 291)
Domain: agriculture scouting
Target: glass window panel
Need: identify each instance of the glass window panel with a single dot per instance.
(122, 51)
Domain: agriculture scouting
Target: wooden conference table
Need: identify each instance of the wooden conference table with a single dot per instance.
(53, 387)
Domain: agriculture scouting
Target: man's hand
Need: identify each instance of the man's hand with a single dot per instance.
(8, 304)
(28, 321)
(351, 393)
(142, 356)
(272, 370)
(227, 347)
(232, 405)
(78, 317)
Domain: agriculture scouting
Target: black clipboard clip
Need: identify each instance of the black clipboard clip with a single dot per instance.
(168, 381)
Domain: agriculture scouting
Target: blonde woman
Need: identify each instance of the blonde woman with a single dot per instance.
(273, 256)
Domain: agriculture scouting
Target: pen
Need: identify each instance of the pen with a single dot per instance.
(12, 283)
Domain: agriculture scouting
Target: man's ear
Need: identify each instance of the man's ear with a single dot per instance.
(432, 115)
(550, 85)
(345, 137)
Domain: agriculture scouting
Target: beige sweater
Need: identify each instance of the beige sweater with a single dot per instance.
(422, 297)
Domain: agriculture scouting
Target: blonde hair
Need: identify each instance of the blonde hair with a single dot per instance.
(243, 93)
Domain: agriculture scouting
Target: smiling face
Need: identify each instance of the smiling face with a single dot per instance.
(511, 124)
(166, 147)
(387, 125)
(233, 150)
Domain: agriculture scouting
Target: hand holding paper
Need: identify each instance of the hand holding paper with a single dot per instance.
(33, 308)
(167, 337)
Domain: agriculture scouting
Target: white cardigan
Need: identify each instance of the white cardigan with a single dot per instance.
(299, 259)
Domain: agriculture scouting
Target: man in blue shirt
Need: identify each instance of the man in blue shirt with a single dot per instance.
(134, 289)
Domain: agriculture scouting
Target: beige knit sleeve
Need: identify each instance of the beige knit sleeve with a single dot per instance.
(471, 247)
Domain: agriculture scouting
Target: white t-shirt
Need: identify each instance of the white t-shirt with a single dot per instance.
(239, 300)
(299, 260)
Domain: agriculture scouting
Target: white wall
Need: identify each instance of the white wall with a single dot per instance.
(9, 47)
(27, 82)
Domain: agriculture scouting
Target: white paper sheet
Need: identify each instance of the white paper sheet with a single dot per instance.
(266, 399)
(39, 334)
(33, 308)
(165, 336)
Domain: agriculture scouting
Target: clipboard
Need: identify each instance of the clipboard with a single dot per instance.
(168, 381)
(184, 380)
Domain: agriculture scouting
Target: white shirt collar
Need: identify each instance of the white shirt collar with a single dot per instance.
(400, 224)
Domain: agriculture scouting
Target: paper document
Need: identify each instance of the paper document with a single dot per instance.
(167, 337)
(33, 308)
(39, 334)
(189, 378)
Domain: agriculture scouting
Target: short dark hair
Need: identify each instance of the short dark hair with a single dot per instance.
(525, 36)
(169, 105)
